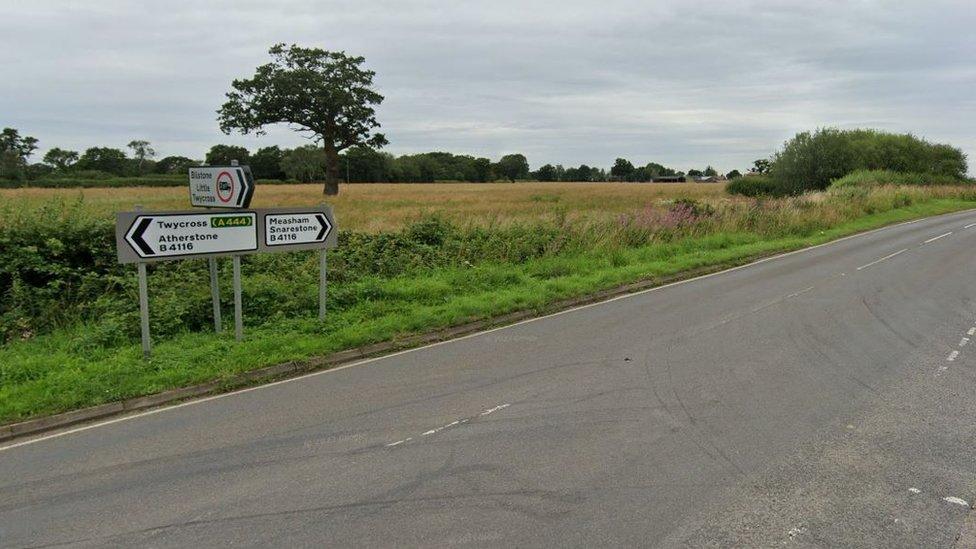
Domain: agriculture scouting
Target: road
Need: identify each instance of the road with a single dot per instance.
(821, 398)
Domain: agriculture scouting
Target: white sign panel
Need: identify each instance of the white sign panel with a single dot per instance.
(283, 229)
(221, 186)
(155, 236)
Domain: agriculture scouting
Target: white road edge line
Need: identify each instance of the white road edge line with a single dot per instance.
(957, 501)
(803, 291)
(475, 334)
(952, 356)
(876, 261)
(970, 225)
(934, 238)
(963, 341)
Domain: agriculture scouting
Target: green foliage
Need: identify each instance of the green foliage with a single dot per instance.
(103, 159)
(755, 185)
(223, 155)
(810, 161)
(734, 174)
(512, 167)
(622, 169)
(325, 93)
(266, 163)
(60, 159)
(15, 150)
(175, 165)
(872, 178)
(305, 164)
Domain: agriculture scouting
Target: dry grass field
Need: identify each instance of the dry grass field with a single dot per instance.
(380, 206)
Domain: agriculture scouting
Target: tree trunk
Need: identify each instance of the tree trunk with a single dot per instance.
(331, 169)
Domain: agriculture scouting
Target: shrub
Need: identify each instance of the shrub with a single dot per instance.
(810, 161)
(872, 178)
(755, 185)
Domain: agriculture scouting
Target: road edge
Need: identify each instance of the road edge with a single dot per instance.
(298, 368)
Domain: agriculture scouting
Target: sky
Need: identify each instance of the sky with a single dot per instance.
(682, 83)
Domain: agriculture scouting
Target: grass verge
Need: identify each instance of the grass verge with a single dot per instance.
(59, 372)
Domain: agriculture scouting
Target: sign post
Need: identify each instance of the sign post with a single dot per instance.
(215, 293)
(148, 237)
(144, 310)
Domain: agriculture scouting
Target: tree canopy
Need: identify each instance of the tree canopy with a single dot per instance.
(327, 94)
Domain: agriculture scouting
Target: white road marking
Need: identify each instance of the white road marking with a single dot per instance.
(952, 356)
(370, 360)
(876, 261)
(971, 331)
(495, 409)
(970, 225)
(963, 341)
(915, 490)
(432, 431)
(395, 443)
(934, 238)
(957, 501)
(803, 291)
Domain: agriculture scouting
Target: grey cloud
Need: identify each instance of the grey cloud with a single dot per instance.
(682, 83)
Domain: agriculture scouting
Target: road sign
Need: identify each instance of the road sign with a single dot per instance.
(175, 235)
(159, 236)
(221, 186)
(282, 229)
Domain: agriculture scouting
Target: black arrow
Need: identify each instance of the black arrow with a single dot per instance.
(136, 237)
(325, 227)
(244, 187)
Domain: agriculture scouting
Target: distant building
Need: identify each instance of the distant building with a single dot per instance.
(669, 179)
(706, 179)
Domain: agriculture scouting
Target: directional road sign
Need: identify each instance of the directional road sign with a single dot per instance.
(144, 237)
(221, 186)
(308, 227)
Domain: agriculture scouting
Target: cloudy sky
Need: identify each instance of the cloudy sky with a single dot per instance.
(683, 83)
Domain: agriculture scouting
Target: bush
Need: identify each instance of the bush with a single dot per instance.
(755, 185)
(810, 161)
(871, 178)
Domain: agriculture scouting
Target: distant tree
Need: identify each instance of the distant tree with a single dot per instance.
(266, 163)
(695, 173)
(622, 169)
(142, 152)
(733, 174)
(366, 165)
(15, 150)
(512, 167)
(546, 173)
(480, 170)
(306, 163)
(174, 164)
(560, 173)
(761, 166)
(222, 155)
(710, 172)
(60, 159)
(105, 159)
(38, 170)
(656, 170)
(327, 94)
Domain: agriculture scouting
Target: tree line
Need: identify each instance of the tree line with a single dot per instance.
(359, 164)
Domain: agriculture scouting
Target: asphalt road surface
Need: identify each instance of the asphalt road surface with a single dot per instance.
(821, 398)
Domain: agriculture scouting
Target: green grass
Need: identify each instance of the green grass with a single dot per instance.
(62, 370)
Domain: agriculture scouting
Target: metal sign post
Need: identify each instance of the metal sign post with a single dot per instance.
(215, 293)
(322, 284)
(238, 310)
(144, 310)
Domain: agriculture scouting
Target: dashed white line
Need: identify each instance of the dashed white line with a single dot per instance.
(914, 490)
(399, 442)
(803, 291)
(971, 331)
(495, 409)
(876, 261)
(934, 238)
(957, 501)
(970, 225)
(952, 356)
(963, 341)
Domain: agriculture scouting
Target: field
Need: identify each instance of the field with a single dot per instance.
(411, 259)
(381, 206)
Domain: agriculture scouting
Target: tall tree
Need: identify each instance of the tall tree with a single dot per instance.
(60, 159)
(105, 159)
(142, 152)
(710, 171)
(328, 94)
(622, 169)
(512, 167)
(14, 152)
